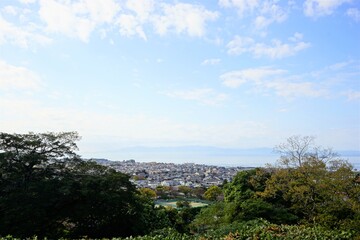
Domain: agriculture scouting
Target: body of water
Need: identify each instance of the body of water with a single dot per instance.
(227, 160)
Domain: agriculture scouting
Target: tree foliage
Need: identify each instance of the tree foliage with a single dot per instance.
(147, 192)
(243, 200)
(320, 189)
(212, 193)
(317, 194)
(47, 190)
(185, 190)
(310, 185)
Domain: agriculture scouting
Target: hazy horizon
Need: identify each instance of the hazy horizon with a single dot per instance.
(256, 157)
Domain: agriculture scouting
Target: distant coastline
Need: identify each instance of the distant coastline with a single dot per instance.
(227, 157)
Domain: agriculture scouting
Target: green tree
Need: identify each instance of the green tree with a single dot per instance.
(163, 191)
(31, 169)
(147, 192)
(48, 191)
(185, 190)
(198, 192)
(209, 217)
(101, 202)
(244, 201)
(317, 186)
(212, 193)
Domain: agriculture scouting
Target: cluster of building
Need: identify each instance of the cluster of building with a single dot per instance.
(153, 174)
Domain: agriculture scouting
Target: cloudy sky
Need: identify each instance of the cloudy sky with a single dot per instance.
(226, 73)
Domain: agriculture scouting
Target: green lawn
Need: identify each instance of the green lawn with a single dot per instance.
(172, 203)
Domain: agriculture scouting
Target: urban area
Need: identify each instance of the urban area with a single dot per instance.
(153, 174)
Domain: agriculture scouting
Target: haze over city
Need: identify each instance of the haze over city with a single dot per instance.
(146, 74)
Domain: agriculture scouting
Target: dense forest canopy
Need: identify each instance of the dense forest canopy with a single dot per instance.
(47, 190)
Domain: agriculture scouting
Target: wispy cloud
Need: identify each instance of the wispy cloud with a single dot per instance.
(264, 12)
(276, 50)
(269, 13)
(290, 90)
(27, 1)
(183, 18)
(11, 10)
(78, 19)
(315, 8)
(132, 17)
(17, 78)
(20, 36)
(340, 76)
(242, 6)
(354, 13)
(211, 61)
(130, 26)
(164, 18)
(267, 79)
(206, 96)
(352, 95)
(139, 13)
(235, 79)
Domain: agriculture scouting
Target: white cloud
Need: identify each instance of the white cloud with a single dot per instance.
(132, 24)
(183, 18)
(11, 10)
(80, 18)
(77, 19)
(276, 50)
(211, 61)
(242, 6)
(352, 95)
(52, 11)
(240, 45)
(18, 78)
(339, 76)
(142, 8)
(291, 90)
(98, 11)
(262, 22)
(265, 12)
(270, 12)
(129, 26)
(339, 66)
(296, 38)
(354, 13)
(314, 8)
(235, 79)
(164, 18)
(266, 79)
(20, 36)
(206, 96)
(27, 1)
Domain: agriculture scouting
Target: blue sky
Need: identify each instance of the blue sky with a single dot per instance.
(227, 73)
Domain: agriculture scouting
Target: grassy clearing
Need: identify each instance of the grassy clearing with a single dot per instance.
(172, 203)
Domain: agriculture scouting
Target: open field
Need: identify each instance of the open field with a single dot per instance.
(172, 203)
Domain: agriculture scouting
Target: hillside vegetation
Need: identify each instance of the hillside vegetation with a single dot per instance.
(46, 190)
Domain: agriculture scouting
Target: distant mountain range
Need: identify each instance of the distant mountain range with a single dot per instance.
(201, 150)
(251, 157)
(213, 151)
